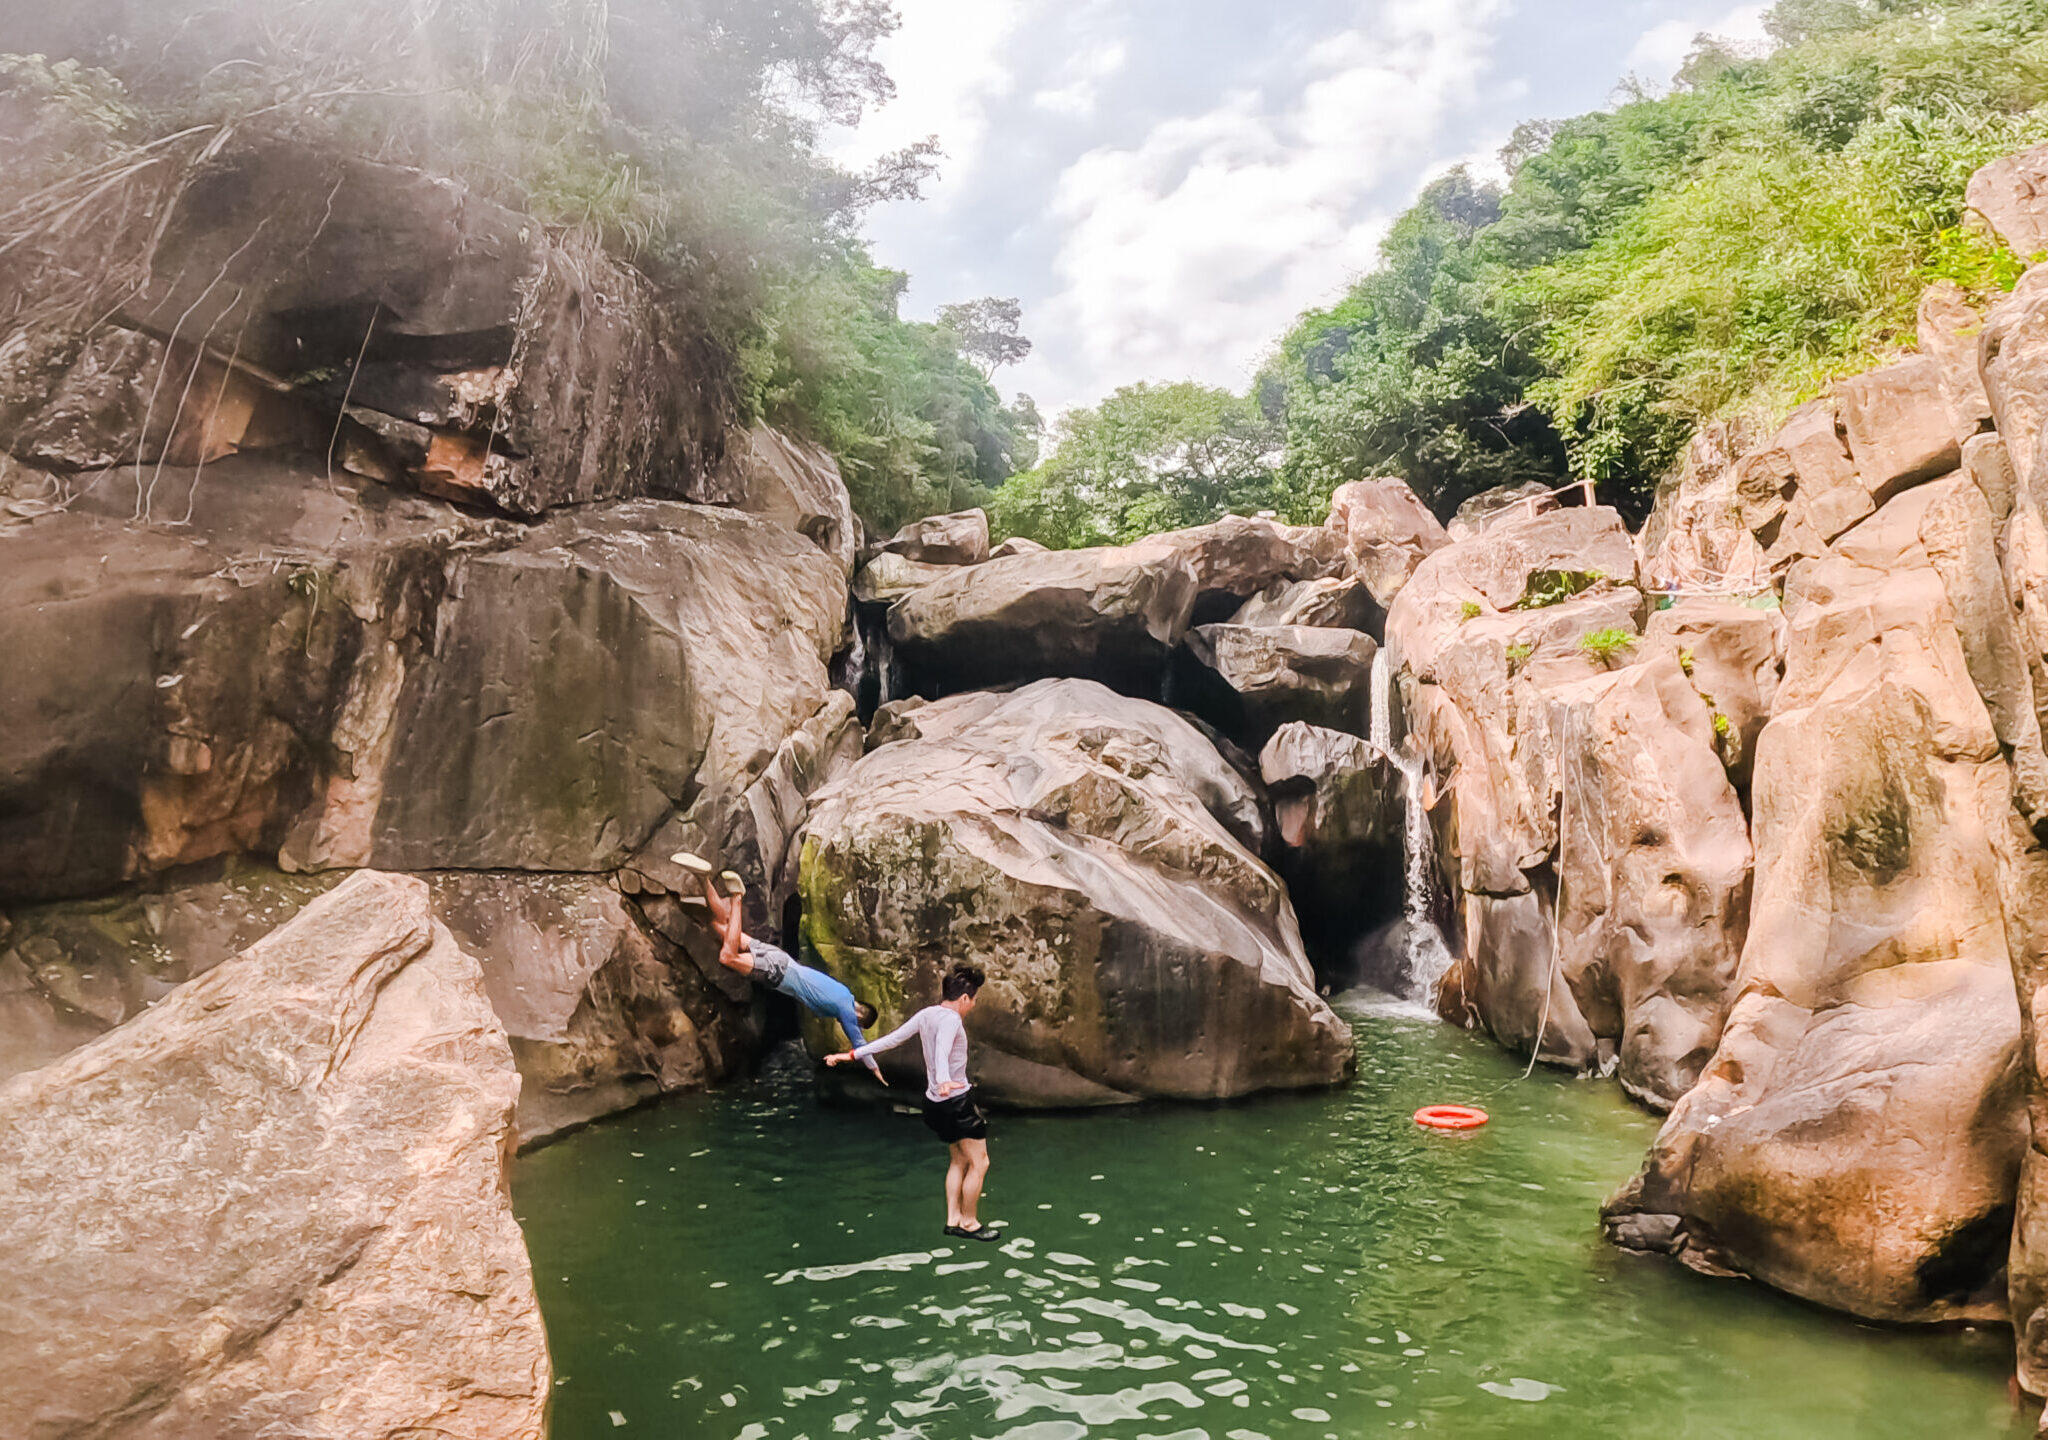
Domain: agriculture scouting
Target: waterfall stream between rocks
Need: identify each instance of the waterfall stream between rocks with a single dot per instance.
(1424, 947)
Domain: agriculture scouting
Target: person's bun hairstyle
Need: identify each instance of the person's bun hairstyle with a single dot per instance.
(962, 980)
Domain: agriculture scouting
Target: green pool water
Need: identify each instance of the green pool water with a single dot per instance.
(758, 1265)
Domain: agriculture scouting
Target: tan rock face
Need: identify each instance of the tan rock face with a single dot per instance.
(789, 483)
(889, 577)
(1337, 813)
(1653, 868)
(276, 1202)
(1386, 532)
(1948, 328)
(1734, 656)
(1337, 602)
(1898, 423)
(1096, 856)
(2012, 194)
(1856, 1138)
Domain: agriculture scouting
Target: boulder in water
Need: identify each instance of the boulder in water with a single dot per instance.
(276, 1203)
(1097, 857)
(1857, 1137)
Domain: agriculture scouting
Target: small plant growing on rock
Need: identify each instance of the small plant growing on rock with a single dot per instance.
(1605, 645)
(1553, 587)
(1685, 661)
(1469, 610)
(1722, 725)
(1518, 655)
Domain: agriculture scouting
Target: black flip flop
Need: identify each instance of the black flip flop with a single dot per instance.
(979, 1232)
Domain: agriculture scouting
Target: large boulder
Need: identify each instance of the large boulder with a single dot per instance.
(608, 1000)
(276, 1203)
(1857, 1138)
(957, 539)
(1653, 872)
(1386, 532)
(1337, 815)
(1339, 602)
(344, 681)
(2011, 193)
(1249, 680)
(450, 344)
(1898, 424)
(1109, 613)
(1520, 566)
(1097, 857)
(787, 482)
(1734, 655)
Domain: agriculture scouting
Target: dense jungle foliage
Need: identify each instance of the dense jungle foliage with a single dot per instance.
(684, 133)
(1721, 250)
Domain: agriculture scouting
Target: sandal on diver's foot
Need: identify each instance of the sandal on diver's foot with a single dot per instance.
(695, 864)
(730, 881)
(979, 1232)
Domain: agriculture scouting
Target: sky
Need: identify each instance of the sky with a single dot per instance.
(1166, 184)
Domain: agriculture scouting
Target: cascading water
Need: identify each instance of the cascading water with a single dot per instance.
(1427, 954)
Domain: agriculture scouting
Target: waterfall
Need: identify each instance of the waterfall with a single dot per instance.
(1428, 956)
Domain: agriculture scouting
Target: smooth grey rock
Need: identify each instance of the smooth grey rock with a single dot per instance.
(1259, 677)
(957, 539)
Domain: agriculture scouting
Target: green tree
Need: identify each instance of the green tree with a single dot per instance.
(1148, 458)
(989, 332)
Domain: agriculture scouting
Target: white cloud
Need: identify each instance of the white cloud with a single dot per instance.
(1656, 56)
(947, 59)
(1184, 254)
(1083, 88)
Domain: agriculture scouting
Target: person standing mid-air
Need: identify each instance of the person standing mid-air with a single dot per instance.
(949, 1108)
(765, 964)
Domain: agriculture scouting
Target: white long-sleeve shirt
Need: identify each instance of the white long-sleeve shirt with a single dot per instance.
(945, 1049)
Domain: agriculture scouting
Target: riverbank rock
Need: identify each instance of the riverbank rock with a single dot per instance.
(1857, 1137)
(1111, 613)
(1653, 867)
(275, 1203)
(1097, 857)
(609, 1000)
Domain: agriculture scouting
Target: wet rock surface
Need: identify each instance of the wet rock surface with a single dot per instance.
(325, 1249)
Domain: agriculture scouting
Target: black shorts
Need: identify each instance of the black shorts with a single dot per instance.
(956, 1117)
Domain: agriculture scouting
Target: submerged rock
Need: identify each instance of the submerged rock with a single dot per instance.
(1097, 857)
(276, 1203)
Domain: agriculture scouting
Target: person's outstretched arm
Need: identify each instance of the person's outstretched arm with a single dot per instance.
(856, 1037)
(910, 1029)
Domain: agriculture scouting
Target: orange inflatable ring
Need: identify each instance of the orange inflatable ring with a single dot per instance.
(1450, 1117)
